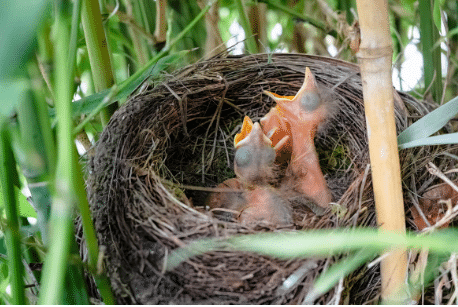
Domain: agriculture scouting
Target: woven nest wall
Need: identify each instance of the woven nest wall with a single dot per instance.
(177, 135)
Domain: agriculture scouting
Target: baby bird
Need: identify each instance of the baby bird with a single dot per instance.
(304, 112)
(254, 156)
(278, 129)
(254, 166)
(264, 204)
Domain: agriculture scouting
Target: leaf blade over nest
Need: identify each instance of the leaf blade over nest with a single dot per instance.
(429, 123)
(318, 242)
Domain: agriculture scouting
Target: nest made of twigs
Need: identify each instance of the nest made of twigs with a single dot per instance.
(177, 135)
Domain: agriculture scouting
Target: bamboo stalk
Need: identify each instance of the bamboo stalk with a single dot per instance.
(99, 56)
(257, 15)
(316, 23)
(137, 40)
(250, 43)
(160, 32)
(38, 161)
(375, 55)
(213, 42)
(431, 56)
(12, 236)
(61, 224)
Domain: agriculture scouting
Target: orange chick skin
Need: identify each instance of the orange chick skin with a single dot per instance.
(264, 205)
(254, 156)
(305, 112)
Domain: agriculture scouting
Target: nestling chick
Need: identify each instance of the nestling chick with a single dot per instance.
(254, 167)
(254, 156)
(278, 129)
(304, 112)
(264, 204)
(230, 197)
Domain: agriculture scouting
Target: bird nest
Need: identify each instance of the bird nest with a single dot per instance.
(161, 153)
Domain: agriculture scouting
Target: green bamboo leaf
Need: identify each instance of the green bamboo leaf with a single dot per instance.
(17, 49)
(12, 90)
(322, 242)
(25, 209)
(449, 138)
(2, 247)
(429, 123)
(437, 13)
(19, 21)
(331, 277)
(408, 5)
(90, 103)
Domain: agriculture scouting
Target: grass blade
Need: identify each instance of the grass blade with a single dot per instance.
(55, 270)
(250, 43)
(99, 56)
(430, 123)
(13, 240)
(322, 242)
(92, 104)
(449, 138)
(331, 277)
(431, 56)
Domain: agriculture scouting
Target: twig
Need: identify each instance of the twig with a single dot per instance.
(376, 261)
(417, 206)
(449, 215)
(363, 184)
(434, 170)
(453, 271)
(339, 291)
(180, 103)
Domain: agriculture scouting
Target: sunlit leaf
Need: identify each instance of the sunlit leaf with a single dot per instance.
(430, 123)
(88, 104)
(437, 13)
(322, 242)
(339, 270)
(12, 90)
(25, 208)
(449, 138)
(19, 21)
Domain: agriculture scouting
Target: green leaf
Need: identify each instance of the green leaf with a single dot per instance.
(437, 13)
(12, 90)
(449, 138)
(88, 104)
(339, 270)
(2, 246)
(429, 123)
(25, 208)
(322, 242)
(19, 21)
(408, 5)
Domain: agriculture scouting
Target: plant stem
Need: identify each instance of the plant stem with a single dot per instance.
(61, 224)
(38, 159)
(164, 51)
(250, 43)
(431, 56)
(160, 32)
(13, 241)
(99, 56)
(137, 41)
(101, 280)
(313, 22)
(375, 58)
